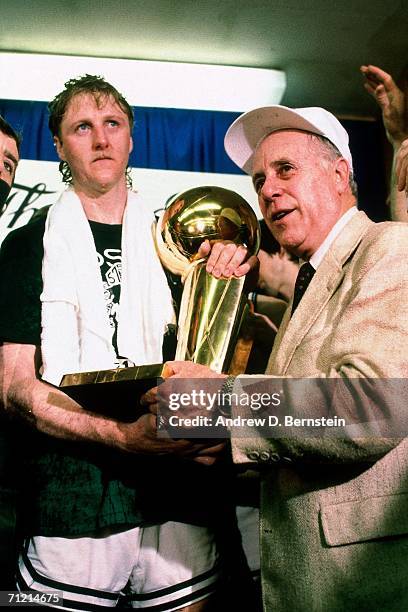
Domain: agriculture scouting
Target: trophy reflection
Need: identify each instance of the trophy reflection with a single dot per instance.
(211, 309)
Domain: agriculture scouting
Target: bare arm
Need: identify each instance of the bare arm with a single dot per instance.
(42, 405)
(52, 412)
(392, 102)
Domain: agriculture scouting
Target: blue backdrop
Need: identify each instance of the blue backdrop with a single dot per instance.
(174, 139)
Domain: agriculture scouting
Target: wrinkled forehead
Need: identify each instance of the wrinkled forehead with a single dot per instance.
(92, 101)
(283, 142)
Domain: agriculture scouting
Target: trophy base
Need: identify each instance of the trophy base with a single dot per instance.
(115, 393)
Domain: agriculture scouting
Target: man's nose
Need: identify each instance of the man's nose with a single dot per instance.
(271, 188)
(100, 137)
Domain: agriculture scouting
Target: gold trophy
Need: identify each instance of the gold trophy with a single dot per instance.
(211, 309)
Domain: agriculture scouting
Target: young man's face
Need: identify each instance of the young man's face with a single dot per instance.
(96, 142)
(8, 158)
(298, 190)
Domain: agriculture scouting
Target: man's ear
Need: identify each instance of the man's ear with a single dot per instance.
(342, 170)
(131, 145)
(59, 148)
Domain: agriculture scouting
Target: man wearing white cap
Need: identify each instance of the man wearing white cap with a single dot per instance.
(334, 508)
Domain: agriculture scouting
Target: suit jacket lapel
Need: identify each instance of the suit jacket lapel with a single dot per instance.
(324, 283)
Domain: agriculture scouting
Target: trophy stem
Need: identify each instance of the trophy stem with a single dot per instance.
(209, 313)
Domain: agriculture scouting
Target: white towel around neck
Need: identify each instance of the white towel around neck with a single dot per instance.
(76, 335)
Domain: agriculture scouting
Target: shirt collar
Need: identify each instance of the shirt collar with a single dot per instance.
(317, 257)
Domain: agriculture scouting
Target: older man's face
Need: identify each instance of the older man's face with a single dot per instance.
(298, 190)
(8, 158)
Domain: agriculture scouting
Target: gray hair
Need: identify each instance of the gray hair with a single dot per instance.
(332, 153)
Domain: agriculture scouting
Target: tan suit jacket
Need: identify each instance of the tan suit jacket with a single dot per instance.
(334, 512)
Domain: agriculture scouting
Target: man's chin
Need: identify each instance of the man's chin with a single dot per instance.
(106, 181)
(291, 244)
(283, 235)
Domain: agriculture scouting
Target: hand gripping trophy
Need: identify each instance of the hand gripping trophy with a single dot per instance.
(211, 308)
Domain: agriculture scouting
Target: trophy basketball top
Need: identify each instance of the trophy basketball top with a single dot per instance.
(204, 213)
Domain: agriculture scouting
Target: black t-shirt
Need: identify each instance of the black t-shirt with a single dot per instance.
(108, 243)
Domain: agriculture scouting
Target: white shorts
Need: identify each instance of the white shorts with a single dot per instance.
(248, 524)
(164, 567)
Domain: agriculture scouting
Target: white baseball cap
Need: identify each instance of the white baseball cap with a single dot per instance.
(244, 135)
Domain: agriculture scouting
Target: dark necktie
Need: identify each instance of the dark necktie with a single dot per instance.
(303, 279)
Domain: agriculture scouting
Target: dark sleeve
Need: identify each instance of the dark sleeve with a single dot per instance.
(21, 284)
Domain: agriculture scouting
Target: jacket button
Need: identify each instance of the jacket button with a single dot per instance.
(253, 455)
(265, 455)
